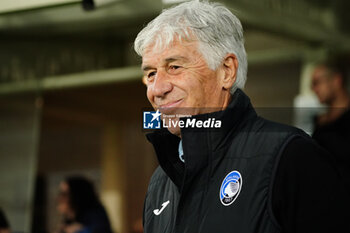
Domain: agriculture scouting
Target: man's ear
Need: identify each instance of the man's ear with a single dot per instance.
(230, 67)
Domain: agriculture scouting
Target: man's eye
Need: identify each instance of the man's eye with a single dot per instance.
(174, 67)
(151, 74)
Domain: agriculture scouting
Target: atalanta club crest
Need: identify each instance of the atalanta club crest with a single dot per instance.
(230, 188)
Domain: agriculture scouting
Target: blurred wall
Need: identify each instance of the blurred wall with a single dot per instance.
(272, 88)
(19, 138)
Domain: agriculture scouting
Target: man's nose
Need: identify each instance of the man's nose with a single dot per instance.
(162, 84)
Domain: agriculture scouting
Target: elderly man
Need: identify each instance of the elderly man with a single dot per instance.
(244, 174)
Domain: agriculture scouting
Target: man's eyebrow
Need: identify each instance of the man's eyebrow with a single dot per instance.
(146, 68)
(175, 58)
(167, 60)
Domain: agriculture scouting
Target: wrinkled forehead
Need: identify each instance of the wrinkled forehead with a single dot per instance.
(176, 47)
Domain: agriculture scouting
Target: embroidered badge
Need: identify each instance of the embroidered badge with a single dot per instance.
(230, 188)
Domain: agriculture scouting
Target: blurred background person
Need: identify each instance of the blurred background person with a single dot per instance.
(4, 225)
(332, 128)
(81, 208)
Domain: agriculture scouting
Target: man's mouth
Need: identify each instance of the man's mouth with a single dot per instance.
(170, 105)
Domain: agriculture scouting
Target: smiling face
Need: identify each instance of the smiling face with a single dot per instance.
(178, 77)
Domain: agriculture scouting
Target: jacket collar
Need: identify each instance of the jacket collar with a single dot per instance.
(201, 146)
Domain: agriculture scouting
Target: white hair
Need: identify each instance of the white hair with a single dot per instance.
(216, 29)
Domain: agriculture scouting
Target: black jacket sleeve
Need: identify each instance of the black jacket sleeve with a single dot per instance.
(308, 194)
